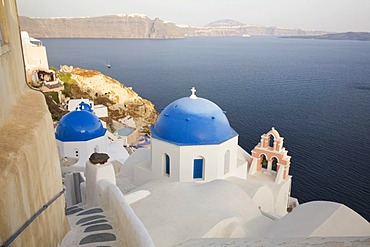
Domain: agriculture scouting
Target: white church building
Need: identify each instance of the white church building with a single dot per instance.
(192, 140)
(81, 133)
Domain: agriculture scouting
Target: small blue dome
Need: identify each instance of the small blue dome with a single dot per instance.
(84, 106)
(79, 125)
(192, 121)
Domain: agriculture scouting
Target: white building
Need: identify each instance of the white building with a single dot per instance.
(99, 110)
(79, 134)
(74, 103)
(35, 56)
(127, 136)
(36, 62)
(192, 140)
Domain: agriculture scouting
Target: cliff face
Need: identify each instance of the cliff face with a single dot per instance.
(121, 100)
(233, 28)
(141, 27)
(361, 36)
(115, 26)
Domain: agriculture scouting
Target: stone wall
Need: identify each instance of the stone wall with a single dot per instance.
(11, 62)
(30, 173)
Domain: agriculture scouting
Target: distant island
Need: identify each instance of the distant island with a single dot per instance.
(137, 26)
(361, 36)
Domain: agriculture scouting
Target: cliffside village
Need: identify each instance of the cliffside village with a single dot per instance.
(41, 77)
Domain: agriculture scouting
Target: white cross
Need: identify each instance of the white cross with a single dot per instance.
(193, 96)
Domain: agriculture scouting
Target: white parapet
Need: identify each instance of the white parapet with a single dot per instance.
(94, 174)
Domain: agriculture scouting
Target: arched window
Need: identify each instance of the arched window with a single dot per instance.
(227, 162)
(167, 168)
(274, 164)
(198, 168)
(263, 161)
(271, 141)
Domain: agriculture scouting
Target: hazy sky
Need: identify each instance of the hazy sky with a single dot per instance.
(328, 15)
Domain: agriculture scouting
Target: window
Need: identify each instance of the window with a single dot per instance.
(167, 164)
(227, 162)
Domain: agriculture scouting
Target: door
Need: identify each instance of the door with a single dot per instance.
(198, 168)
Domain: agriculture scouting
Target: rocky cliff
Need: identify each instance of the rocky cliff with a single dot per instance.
(142, 27)
(114, 26)
(360, 36)
(229, 27)
(122, 101)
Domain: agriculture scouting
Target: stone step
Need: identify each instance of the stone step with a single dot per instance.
(91, 211)
(99, 227)
(98, 238)
(89, 218)
(94, 222)
(73, 211)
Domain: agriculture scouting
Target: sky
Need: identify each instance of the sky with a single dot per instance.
(325, 15)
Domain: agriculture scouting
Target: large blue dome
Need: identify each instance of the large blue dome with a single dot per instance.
(79, 125)
(192, 121)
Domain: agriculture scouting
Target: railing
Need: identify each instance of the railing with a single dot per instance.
(20, 230)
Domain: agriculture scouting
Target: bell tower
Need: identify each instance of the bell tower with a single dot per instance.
(269, 156)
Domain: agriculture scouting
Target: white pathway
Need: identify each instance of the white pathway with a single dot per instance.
(91, 227)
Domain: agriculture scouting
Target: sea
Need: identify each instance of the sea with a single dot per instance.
(316, 93)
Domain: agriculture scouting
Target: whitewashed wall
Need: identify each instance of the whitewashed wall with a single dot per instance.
(182, 159)
(85, 149)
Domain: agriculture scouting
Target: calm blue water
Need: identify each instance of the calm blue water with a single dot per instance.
(315, 92)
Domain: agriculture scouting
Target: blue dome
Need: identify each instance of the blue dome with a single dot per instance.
(192, 121)
(79, 125)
